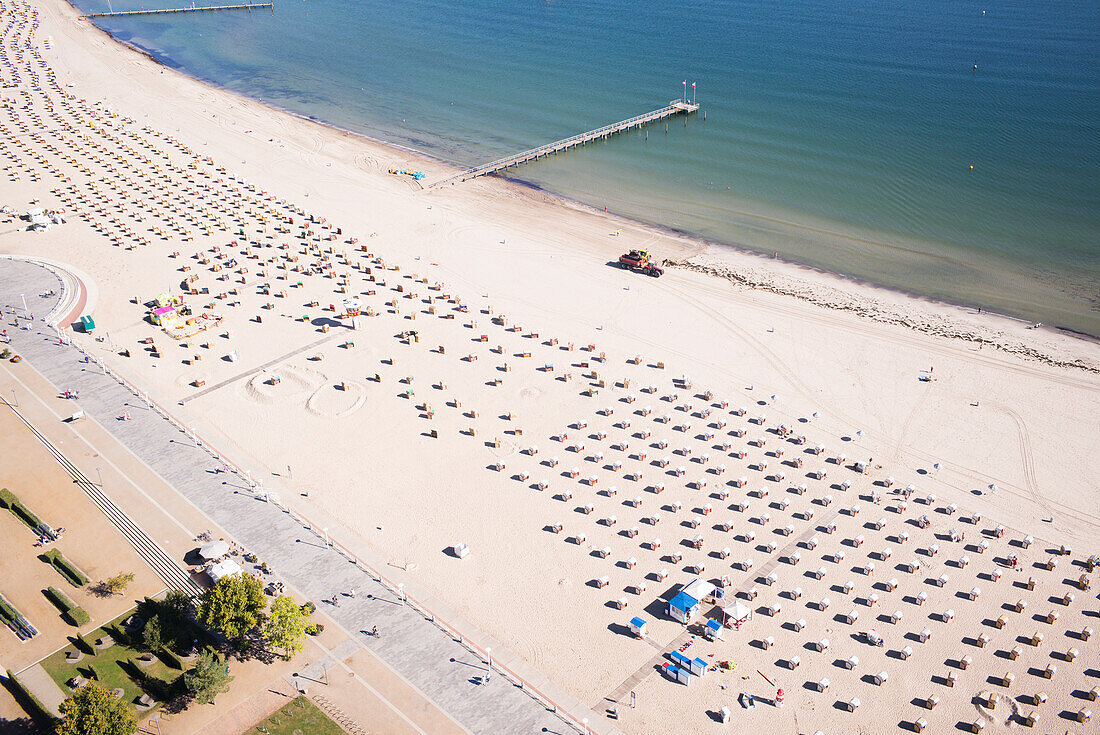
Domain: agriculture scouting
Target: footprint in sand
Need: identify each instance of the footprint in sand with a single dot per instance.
(336, 400)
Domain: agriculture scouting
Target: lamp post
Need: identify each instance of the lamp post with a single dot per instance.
(489, 664)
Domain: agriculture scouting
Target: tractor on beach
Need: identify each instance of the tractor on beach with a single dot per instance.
(640, 261)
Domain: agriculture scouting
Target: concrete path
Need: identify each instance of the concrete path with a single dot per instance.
(428, 658)
(39, 683)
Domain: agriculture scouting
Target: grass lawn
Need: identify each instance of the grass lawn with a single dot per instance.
(300, 717)
(112, 667)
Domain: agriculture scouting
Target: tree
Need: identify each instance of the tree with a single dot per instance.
(286, 626)
(234, 605)
(92, 710)
(174, 614)
(152, 635)
(118, 583)
(208, 679)
(176, 605)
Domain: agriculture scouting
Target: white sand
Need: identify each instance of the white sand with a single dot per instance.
(363, 453)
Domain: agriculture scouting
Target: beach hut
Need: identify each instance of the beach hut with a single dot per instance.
(638, 627)
(164, 316)
(682, 608)
(698, 667)
(713, 630)
(675, 673)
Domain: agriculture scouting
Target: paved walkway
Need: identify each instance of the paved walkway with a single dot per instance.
(429, 659)
(39, 683)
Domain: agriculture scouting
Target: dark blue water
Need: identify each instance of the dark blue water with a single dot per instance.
(841, 135)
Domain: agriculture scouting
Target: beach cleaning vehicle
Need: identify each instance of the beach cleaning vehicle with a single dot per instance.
(640, 261)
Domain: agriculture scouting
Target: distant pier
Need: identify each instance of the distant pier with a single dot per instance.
(675, 107)
(193, 9)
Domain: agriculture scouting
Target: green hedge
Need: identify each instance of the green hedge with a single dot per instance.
(172, 659)
(27, 700)
(63, 565)
(84, 645)
(8, 612)
(11, 502)
(77, 615)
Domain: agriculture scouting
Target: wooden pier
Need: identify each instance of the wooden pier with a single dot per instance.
(674, 107)
(193, 9)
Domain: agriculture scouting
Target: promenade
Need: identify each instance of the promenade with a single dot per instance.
(440, 667)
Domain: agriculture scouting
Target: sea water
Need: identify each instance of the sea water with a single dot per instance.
(949, 148)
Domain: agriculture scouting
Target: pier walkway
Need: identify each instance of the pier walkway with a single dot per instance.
(192, 9)
(674, 107)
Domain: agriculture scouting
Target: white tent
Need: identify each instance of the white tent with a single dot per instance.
(226, 568)
(735, 614)
(699, 589)
(214, 549)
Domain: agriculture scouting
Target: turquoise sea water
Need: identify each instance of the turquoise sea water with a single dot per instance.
(841, 135)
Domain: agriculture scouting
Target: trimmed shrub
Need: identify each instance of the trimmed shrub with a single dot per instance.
(77, 615)
(8, 612)
(68, 571)
(172, 659)
(9, 500)
(84, 645)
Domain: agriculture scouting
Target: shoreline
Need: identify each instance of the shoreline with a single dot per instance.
(802, 291)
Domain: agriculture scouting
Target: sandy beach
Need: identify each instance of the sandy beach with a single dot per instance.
(738, 417)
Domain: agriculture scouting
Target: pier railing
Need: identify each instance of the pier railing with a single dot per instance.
(673, 108)
(192, 9)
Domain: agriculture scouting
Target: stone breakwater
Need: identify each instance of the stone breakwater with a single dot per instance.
(884, 312)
